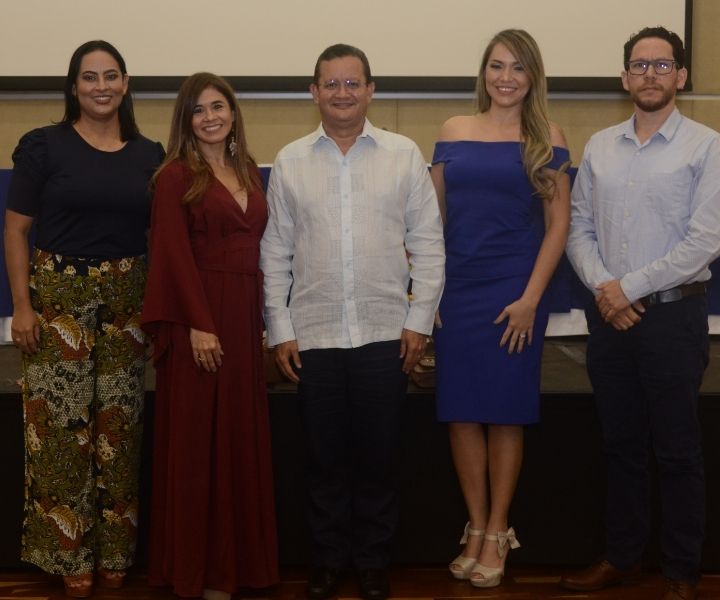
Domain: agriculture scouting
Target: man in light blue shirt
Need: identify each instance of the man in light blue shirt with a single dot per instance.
(645, 227)
(351, 208)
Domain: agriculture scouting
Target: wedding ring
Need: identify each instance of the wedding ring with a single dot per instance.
(522, 336)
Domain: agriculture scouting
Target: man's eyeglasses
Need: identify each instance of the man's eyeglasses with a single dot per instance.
(661, 66)
(332, 85)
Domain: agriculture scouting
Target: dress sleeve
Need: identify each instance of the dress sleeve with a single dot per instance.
(174, 292)
(30, 172)
(441, 153)
(559, 158)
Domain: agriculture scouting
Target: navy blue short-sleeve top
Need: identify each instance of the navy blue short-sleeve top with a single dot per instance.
(85, 202)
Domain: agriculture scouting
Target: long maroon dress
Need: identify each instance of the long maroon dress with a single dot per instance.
(212, 513)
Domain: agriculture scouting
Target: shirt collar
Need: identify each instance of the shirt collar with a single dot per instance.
(368, 131)
(667, 130)
(671, 124)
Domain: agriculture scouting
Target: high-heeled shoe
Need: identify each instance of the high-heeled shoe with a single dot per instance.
(462, 565)
(492, 576)
(110, 578)
(78, 586)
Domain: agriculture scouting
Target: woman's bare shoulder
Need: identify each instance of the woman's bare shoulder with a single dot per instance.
(460, 127)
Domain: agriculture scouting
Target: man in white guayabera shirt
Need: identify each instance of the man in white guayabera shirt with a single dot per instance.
(353, 218)
(645, 227)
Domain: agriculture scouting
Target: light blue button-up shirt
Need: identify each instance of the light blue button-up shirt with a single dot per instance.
(336, 242)
(648, 213)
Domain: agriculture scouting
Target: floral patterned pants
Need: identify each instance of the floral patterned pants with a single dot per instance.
(83, 395)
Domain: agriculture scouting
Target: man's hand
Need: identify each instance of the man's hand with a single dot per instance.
(611, 299)
(412, 348)
(284, 354)
(629, 316)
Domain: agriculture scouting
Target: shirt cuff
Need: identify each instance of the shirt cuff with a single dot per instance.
(279, 330)
(635, 285)
(420, 321)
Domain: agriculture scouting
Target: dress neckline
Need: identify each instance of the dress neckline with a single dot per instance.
(229, 195)
(480, 141)
(492, 142)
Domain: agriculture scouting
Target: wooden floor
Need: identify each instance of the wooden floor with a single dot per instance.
(419, 583)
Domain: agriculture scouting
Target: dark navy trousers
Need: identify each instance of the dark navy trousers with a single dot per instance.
(351, 400)
(646, 382)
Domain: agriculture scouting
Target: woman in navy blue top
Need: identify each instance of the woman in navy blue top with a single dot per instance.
(83, 184)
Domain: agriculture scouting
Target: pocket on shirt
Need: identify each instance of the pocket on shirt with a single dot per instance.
(669, 195)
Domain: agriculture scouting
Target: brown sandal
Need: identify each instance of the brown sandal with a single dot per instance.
(78, 586)
(110, 578)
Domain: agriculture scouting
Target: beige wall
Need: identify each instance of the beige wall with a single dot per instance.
(273, 123)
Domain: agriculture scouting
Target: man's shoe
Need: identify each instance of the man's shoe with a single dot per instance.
(597, 577)
(679, 590)
(323, 583)
(374, 584)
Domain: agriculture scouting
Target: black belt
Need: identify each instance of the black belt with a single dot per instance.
(674, 294)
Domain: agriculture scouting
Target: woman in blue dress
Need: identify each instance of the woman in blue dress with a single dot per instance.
(505, 199)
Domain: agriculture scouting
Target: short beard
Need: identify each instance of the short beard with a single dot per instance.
(655, 105)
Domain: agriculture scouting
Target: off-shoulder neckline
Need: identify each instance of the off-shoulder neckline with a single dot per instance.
(489, 142)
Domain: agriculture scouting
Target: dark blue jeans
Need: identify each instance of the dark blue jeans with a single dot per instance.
(351, 401)
(646, 382)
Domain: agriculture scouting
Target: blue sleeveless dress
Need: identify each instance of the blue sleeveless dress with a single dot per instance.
(493, 234)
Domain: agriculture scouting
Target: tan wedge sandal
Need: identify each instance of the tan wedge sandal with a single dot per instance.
(463, 565)
(492, 576)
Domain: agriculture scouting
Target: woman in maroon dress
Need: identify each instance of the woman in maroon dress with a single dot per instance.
(212, 525)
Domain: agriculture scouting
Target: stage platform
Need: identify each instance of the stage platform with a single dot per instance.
(558, 508)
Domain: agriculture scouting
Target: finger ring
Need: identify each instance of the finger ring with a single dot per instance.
(522, 336)
(16, 340)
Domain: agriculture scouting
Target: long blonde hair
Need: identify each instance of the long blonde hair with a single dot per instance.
(182, 144)
(535, 123)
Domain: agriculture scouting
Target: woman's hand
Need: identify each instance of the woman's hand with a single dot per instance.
(521, 317)
(25, 330)
(206, 350)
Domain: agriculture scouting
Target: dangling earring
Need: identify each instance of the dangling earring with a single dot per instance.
(232, 146)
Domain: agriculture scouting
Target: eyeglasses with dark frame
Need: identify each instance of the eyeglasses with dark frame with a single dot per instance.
(662, 66)
(332, 85)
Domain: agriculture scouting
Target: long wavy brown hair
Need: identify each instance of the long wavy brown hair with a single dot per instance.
(535, 122)
(182, 144)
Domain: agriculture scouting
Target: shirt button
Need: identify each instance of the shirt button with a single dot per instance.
(624, 246)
